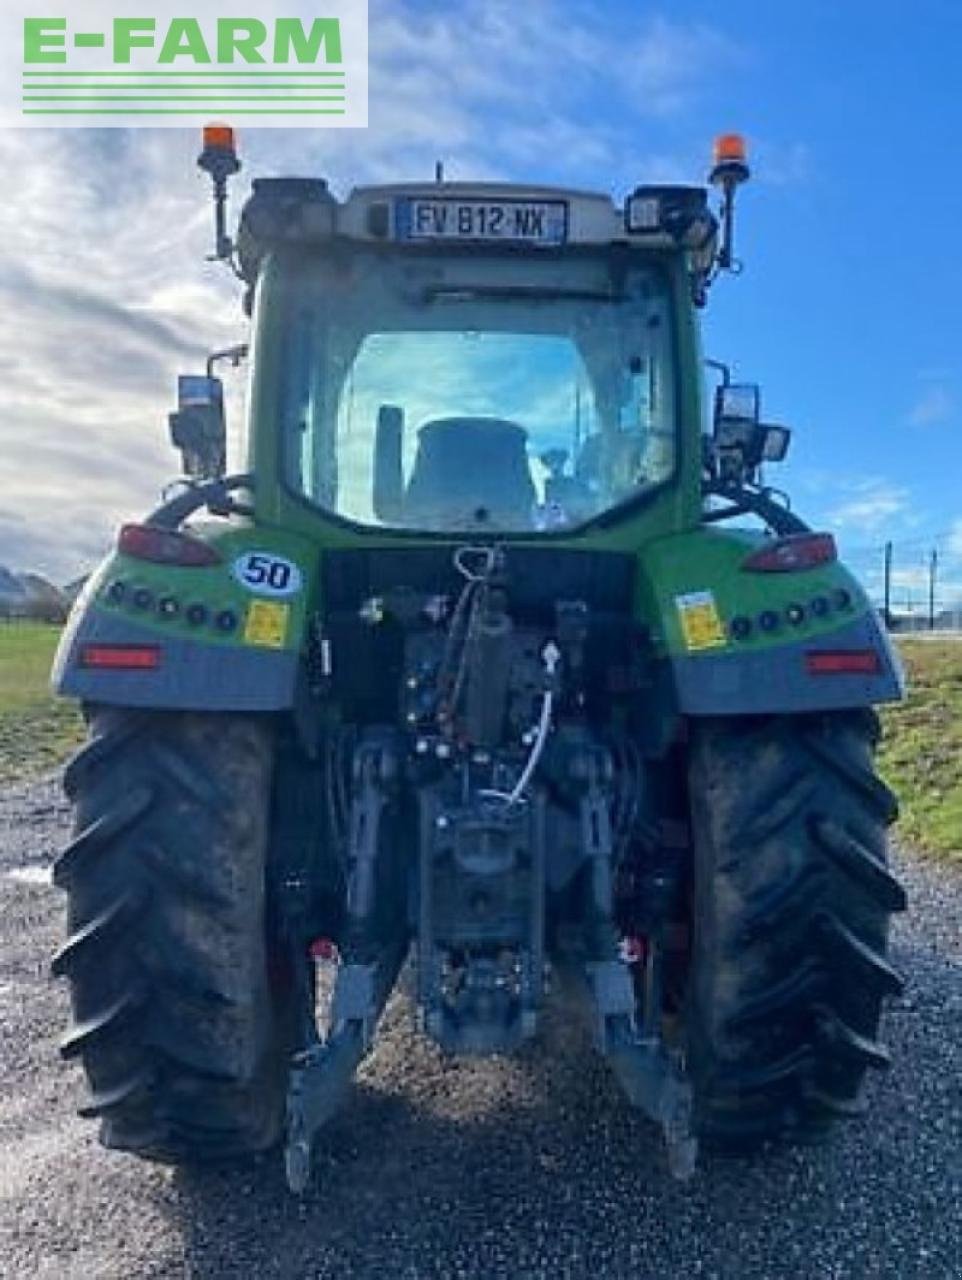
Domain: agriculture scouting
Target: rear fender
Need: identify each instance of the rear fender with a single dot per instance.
(696, 589)
(226, 637)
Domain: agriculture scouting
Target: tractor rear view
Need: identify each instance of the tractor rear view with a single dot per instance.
(492, 659)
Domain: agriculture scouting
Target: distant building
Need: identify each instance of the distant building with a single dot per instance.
(31, 596)
(918, 620)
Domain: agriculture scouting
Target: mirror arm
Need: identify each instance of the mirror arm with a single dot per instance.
(234, 354)
(215, 495)
(758, 502)
(720, 367)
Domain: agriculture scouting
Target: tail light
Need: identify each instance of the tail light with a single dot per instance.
(120, 657)
(843, 662)
(165, 546)
(323, 950)
(792, 554)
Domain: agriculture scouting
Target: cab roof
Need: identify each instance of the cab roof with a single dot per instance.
(415, 215)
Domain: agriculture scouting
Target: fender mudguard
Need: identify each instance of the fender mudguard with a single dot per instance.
(737, 642)
(222, 637)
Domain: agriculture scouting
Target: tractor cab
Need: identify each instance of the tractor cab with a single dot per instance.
(480, 359)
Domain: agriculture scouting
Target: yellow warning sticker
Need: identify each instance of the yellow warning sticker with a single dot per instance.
(700, 622)
(266, 624)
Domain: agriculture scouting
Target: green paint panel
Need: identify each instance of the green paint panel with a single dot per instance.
(260, 620)
(710, 560)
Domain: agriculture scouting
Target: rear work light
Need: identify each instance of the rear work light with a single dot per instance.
(120, 657)
(792, 554)
(843, 662)
(164, 546)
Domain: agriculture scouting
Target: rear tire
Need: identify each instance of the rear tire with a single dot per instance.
(182, 1038)
(791, 906)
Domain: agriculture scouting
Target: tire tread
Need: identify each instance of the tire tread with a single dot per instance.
(175, 1020)
(791, 907)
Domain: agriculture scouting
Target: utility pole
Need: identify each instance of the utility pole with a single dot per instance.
(933, 570)
(887, 606)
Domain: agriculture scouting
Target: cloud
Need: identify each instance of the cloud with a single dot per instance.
(782, 165)
(915, 576)
(935, 405)
(954, 540)
(77, 304)
(873, 505)
(662, 66)
(536, 56)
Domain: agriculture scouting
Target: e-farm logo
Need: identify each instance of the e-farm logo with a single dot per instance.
(156, 66)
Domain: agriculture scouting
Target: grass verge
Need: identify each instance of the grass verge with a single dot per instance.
(37, 731)
(921, 754)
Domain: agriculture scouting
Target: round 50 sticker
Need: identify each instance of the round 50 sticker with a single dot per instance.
(267, 575)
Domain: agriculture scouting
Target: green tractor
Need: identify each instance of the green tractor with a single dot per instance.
(494, 658)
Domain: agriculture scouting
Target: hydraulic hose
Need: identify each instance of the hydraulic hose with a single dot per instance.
(213, 494)
(544, 724)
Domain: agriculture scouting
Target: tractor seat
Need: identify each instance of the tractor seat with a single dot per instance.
(470, 471)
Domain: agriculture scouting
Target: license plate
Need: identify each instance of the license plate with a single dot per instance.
(538, 222)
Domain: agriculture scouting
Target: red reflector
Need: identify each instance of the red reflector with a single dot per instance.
(634, 950)
(120, 657)
(844, 662)
(164, 546)
(793, 553)
(323, 949)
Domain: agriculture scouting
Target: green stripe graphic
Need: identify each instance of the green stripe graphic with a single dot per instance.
(155, 87)
(184, 97)
(176, 111)
(157, 92)
(220, 74)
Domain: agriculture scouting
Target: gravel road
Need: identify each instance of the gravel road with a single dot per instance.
(524, 1168)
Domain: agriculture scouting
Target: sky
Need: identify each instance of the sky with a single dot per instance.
(846, 311)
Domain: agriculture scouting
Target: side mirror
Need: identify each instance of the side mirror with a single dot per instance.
(387, 497)
(776, 442)
(198, 428)
(739, 402)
